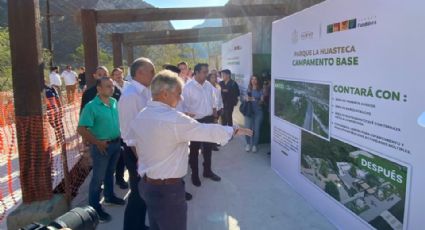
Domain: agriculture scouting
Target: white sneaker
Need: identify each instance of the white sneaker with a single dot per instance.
(254, 148)
(247, 148)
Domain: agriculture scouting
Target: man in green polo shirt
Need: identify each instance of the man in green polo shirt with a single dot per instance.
(99, 124)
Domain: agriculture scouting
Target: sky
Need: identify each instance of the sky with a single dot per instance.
(186, 24)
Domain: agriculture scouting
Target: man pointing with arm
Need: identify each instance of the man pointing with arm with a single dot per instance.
(161, 135)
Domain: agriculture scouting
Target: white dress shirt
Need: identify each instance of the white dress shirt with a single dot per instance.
(69, 77)
(162, 134)
(55, 79)
(218, 98)
(198, 99)
(126, 83)
(133, 99)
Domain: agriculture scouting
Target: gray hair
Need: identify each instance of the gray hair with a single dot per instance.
(165, 80)
(139, 62)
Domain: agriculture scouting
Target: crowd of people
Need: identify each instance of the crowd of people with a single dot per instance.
(156, 125)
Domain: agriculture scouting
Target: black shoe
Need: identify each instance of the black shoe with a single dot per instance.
(196, 181)
(215, 148)
(212, 176)
(188, 196)
(114, 201)
(103, 216)
(122, 184)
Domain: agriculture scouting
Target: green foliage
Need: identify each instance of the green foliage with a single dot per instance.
(324, 169)
(78, 57)
(304, 163)
(332, 189)
(5, 61)
(333, 151)
(286, 109)
(171, 54)
(353, 171)
(372, 180)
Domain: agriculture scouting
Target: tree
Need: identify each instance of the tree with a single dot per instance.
(171, 54)
(353, 171)
(324, 169)
(332, 189)
(78, 57)
(5, 61)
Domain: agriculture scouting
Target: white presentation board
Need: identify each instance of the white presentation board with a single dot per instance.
(348, 92)
(236, 55)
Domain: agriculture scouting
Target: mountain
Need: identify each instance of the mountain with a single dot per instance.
(66, 32)
(201, 49)
(214, 22)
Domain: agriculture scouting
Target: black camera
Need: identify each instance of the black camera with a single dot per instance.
(84, 218)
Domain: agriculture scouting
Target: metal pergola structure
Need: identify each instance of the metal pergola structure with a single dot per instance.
(90, 18)
(129, 40)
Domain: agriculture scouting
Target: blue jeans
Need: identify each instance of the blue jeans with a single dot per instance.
(254, 123)
(103, 172)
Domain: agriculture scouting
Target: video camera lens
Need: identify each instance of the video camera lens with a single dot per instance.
(84, 218)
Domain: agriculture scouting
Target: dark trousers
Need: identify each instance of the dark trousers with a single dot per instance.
(119, 171)
(135, 211)
(206, 151)
(227, 118)
(166, 204)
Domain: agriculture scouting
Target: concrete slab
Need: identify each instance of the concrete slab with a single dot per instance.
(250, 196)
(41, 212)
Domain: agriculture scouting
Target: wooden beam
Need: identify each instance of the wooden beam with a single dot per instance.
(165, 14)
(140, 36)
(117, 40)
(91, 59)
(28, 90)
(179, 40)
(130, 54)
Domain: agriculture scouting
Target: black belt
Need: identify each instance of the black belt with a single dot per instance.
(167, 181)
(113, 140)
(206, 119)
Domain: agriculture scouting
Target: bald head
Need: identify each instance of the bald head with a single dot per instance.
(142, 70)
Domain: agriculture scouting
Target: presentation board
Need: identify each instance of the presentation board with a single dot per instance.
(348, 101)
(236, 55)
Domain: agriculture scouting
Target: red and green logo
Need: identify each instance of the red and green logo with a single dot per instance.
(341, 26)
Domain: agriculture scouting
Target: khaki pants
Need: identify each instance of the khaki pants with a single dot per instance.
(70, 93)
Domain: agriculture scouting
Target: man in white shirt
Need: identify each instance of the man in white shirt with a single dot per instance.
(184, 71)
(161, 134)
(55, 78)
(199, 102)
(117, 75)
(133, 99)
(71, 79)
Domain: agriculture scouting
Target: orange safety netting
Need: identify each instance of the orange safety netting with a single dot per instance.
(55, 147)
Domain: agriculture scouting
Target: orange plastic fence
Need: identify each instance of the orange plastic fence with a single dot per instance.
(56, 142)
